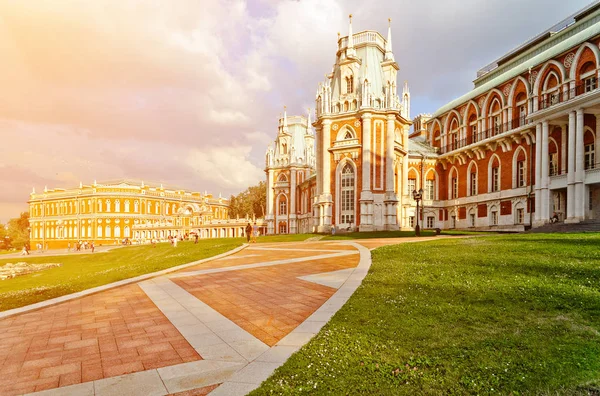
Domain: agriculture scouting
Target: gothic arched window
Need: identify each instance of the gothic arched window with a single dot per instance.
(347, 187)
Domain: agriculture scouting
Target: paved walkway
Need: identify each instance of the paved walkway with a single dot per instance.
(222, 326)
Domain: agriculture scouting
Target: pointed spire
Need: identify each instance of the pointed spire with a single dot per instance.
(308, 126)
(33, 191)
(45, 189)
(80, 185)
(389, 55)
(350, 50)
(95, 182)
(285, 125)
(143, 184)
(161, 186)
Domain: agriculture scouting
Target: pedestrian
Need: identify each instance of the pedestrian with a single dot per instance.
(248, 232)
(92, 246)
(153, 242)
(175, 241)
(69, 247)
(195, 238)
(254, 232)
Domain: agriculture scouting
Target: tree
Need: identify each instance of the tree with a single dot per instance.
(18, 230)
(251, 202)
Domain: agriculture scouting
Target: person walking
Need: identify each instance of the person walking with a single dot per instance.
(175, 240)
(69, 247)
(195, 238)
(248, 232)
(254, 232)
(92, 246)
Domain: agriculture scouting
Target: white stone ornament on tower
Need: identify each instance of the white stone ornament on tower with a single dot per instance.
(389, 54)
(350, 51)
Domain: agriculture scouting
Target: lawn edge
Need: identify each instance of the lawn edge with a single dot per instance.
(97, 289)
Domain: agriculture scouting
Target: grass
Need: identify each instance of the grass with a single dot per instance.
(376, 234)
(284, 238)
(80, 272)
(508, 314)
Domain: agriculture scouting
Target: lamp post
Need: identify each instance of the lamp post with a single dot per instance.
(417, 196)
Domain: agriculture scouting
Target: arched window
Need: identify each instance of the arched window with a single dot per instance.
(550, 90)
(472, 180)
(157, 208)
(552, 157)
(349, 84)
(348, 135)
(495, 119)
(99, 205)
(494, 174)
(117, 231)
(282, 205)
(430, 186)
(107, 231)
(453, 135)
(587, 74)
(136, 206)
(519, 168)
(521, 107)
(282, 178)
(83, 231)
(117, 205)
(148, 207)
(167, 209)
(127, 206)
(453, 187)
(347, 194)
(284, 148)
(99, 234)
(473, 137)
(108, 205)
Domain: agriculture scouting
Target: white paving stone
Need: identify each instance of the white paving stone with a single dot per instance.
(278, 354)
(233, 389)
(255, 372)
(310, 326)
(144, 383)
(221, 352)
(197, 374)
(296, 339)
(249, 349)
(85, 389)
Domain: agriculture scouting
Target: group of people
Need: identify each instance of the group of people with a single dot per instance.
(251, 232)
(82, 244)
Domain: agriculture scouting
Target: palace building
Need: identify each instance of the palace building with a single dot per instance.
(109, 212)
(513, 153)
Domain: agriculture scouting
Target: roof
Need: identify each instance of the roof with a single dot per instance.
(559, 43)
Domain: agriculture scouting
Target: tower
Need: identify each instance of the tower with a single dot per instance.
(362, 136)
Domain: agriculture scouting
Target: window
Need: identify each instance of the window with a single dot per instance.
(127, 206)
(474, 132)
(107, 205)
(99, 234)
(453, 221)
(590, 199)
(590, 84)
(136, 206)
(282, 205)
(553, 164)
(107, 232)
(495, 179)
(157, 208)
(430, 221)
(553, 98)
(349, 84)
(494, 219)
(497, 124)
(99, 206)
(522, 114)
(473, 183)
(117, 206)
(412, 185)
(411, 221)
(455, 187)
(472, 219)
(282, 228)
(589, 156)
(429, 190)
(347, 195)
(520, 173)
(520, 216)
(348, 135)
(117, 231)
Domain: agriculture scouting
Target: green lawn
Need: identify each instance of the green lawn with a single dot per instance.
(284, 238)
(508, 314)
(376, 234)
(80, 272)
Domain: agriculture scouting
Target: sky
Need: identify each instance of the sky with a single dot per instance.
(188, 92)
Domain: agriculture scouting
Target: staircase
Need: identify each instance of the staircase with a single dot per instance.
(584, 226)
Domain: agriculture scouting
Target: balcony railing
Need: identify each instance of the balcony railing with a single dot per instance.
(485, 134)
(549, 100)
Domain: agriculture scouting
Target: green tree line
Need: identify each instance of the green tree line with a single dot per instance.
(251, 203)
(15, 233)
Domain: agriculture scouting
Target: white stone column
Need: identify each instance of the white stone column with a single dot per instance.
(563, 149)
(597, 142)
(293, 228)
(326, 198)
(391, 201)
(319, 160)
(579, 167)
(538, 171)
(545, 204)
(366, 196)
(571, 169)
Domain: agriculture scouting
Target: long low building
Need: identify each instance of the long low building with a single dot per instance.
(110, 212)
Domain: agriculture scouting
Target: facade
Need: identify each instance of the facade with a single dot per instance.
(516, 151)
(521, 146)
(107, 213)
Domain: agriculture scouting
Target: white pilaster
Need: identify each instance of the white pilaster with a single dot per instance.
(571, 169)
(391, 201)
(545, 178)
(366, 196)
(579, 167)
(563, 149)
(292, 227)
(538, 170)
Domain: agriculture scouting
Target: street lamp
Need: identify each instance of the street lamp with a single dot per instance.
(417, 196)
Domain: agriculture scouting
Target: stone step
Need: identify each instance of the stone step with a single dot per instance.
(584, 226)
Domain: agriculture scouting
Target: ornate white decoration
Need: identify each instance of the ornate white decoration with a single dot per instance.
(462, 111)
(480, 103)
(532, 77)
(569, 60)
(357, 123)
(506, 90)
(335, 127)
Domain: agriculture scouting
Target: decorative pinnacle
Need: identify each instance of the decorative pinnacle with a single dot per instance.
(338, 35)
(389, 21)
(350, 16)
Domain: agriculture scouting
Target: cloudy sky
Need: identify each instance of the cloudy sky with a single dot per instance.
(188, 92)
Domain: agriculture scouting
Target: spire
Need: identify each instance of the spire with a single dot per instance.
(45, 189)
(350, 50)
(80, 185)
(95, 182)
(308, 123)
(285, 118)
(33, 191)
(389, 55)
(142, 184)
